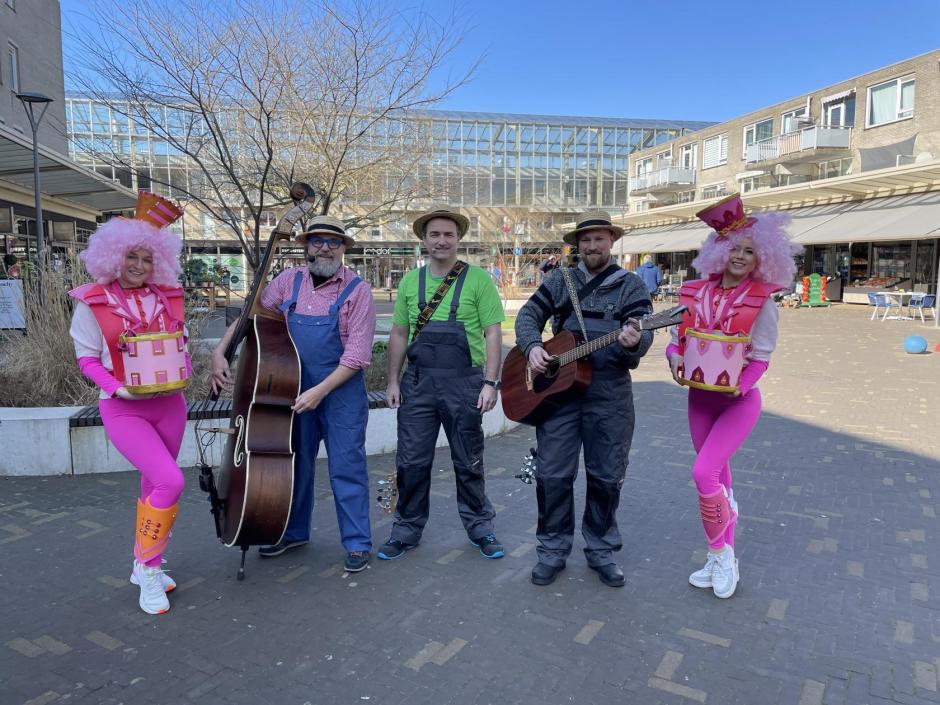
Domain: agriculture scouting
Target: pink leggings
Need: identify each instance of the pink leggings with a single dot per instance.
(719, 425)
(149, 433)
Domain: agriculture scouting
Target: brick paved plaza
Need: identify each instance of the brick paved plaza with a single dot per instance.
(839, 600)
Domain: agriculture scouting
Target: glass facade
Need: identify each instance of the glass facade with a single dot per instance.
(476, 161)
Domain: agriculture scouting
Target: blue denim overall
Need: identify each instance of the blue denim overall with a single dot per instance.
(340, 421)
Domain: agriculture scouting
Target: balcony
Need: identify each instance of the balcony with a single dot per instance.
(802, 145)
(664, 180)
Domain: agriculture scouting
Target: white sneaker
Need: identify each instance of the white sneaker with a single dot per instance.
(702, 578)
(725, 573)
(152, 597)
(168, 583)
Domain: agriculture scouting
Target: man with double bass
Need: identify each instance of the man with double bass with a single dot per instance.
(331, 318)
(602, 418)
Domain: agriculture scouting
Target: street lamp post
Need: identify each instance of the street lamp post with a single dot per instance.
(29, 101)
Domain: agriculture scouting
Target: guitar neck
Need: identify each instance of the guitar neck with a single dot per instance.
(588, 348)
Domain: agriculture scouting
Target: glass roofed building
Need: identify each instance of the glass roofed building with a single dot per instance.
(519, 178)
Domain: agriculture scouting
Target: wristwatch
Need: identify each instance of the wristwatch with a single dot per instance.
(494, 383)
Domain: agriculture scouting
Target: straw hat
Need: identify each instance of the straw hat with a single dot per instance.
(463, 223)
(592, 220)
(325, 225)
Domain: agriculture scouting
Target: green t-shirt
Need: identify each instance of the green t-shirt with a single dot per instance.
(479, 306)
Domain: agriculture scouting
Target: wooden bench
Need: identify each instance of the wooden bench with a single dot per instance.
(195, 410)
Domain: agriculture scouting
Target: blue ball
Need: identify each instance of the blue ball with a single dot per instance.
(915, 344)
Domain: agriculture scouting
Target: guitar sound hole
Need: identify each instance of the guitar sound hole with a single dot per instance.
(552, 370)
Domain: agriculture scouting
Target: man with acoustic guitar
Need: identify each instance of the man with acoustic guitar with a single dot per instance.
(606, 298)
(447, 321)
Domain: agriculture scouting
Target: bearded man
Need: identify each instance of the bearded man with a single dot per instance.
(331, 318)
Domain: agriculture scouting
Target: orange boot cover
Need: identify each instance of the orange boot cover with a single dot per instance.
(153, 530)
(716, 513)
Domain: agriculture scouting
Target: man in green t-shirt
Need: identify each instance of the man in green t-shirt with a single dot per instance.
(452, 379)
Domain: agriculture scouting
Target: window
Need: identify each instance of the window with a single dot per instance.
(685, 197)
(890, 101)
(790, 122)
(644, 166)
(751, 183)
(762, 130)
(715, 151)
(835, 167)
(713, 190)
(840, 113)
(14, 63)
(664, 159)
(687, 156)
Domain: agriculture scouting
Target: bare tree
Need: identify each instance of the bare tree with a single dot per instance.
(254, 95)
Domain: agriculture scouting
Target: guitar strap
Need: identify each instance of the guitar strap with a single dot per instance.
(425, 316)
(565, 309)
(575, 301)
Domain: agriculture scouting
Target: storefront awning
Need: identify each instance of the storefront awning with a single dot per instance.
(59, 176)
(674, 238)
(911, 217)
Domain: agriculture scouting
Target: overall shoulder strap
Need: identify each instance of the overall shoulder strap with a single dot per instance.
(295, 292)
(455, 300)
(425, 316)
(345, 294)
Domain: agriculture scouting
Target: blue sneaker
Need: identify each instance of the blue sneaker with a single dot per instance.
(393, 548)
(489, 546)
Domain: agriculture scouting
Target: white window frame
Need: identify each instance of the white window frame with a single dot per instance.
(13, 60)
(722, 152)
(753, 126)
(644, 166)
(717, 185)
(664, 159)
(828, 108)
(688, 149)
(899, 82)
(792, 115)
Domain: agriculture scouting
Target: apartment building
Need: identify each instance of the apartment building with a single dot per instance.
(857, 163)
(72, 198)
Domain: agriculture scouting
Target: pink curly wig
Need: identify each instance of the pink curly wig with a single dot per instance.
(774, 250)
(109, 245)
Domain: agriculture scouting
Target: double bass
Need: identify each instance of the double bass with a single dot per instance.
(252, 492)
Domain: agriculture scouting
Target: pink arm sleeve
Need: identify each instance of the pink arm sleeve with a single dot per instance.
(751, 374)
(92, 368)
(671, 349)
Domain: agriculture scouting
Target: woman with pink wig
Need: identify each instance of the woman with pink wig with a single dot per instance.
(719, 350)
(132, 311)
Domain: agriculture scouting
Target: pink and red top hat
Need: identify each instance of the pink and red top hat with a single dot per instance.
(726, 216)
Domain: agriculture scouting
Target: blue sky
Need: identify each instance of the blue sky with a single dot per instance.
(676, 59)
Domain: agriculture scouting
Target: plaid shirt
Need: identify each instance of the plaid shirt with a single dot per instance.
(356, 315)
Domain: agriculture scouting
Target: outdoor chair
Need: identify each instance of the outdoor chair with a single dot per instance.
(876, 301)
(890, 302)
(920, 303)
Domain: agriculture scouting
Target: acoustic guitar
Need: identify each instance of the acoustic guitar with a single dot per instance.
(530, 396)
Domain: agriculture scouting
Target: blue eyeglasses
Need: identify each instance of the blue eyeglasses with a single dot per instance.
(331, 242)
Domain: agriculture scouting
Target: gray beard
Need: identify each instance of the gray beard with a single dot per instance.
(324, 267)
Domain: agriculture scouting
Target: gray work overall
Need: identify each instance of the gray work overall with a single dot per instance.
(602, 420)
(440, 388)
